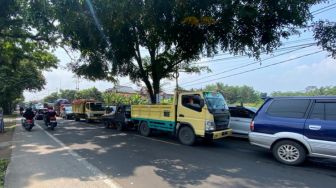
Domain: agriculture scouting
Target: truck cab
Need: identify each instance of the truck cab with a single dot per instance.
(193, 114)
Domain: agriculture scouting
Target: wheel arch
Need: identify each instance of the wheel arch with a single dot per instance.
(294, 140)
(183, 124)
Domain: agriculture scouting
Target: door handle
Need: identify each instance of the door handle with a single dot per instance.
(314, 127)
(181, 115)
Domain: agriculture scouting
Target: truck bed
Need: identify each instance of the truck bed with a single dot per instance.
(160, 117)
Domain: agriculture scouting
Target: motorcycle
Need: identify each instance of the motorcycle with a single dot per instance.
(52, 123)
(28, 124)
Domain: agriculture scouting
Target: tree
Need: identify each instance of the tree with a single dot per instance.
(113, 34)
(68, 94)
(25, 36)
(116, 98)
(91, 93)
(236, 94)
(52, 97)
(325, 34)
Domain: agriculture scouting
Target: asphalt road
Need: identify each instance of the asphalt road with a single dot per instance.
(160, 161)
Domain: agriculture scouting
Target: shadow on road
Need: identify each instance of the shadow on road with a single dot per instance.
(228, 163)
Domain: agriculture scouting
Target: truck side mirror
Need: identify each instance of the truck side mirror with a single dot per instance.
(202, 103)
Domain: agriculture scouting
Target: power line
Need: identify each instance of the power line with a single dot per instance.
(289, 42)
(251, 70)
(245, 65)
(237, 57)
(320, 9)
(324, 10)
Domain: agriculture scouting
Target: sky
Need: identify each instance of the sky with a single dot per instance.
(292, 71)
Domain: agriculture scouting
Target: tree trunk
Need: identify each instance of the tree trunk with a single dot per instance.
(156, 87)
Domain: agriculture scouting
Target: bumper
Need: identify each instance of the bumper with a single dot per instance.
(218, 134)
(261, 139)
(95, 117)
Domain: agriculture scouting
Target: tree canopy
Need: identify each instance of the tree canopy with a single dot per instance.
(25, 40)
(149, 40)
(236, 94)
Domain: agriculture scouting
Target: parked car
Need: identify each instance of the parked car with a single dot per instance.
(119, 118)
(241, 118)
(296, 127)
(40, 113)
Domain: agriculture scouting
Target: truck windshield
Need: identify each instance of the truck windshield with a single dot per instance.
(215, 101)
(96, 107)
(68, 109)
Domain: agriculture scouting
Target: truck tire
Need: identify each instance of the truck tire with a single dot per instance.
(119, 126)
(144, 129)
(289, 152)
(77, 119)
(186, 136)
(88, 120)
(106, 124)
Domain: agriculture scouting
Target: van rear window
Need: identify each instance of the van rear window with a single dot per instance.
(289, 108)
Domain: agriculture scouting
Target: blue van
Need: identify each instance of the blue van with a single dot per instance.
(296, 127)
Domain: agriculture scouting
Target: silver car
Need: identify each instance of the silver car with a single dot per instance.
(241, 118)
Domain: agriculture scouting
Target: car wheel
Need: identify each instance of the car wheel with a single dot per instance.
(144, 129)
(289, 152)
(186, 136)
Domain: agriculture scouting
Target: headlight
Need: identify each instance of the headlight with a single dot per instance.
(210, 126)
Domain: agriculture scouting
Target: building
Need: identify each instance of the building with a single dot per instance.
(123, 90)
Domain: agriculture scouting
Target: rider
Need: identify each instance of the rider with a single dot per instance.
(49, 113)
(29, 114)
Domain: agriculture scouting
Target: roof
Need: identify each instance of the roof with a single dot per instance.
(305, 97)
(121, 89)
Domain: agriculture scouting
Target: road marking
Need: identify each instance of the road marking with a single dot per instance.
(153, 139)
(84, 162)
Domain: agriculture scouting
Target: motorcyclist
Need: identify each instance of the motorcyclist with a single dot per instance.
(50, 113)
(29, 114)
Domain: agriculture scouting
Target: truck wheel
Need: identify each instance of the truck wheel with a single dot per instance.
(77, 119)
(144, 129)
(186, 136)
(106, 125)
(119, 126)
(289, 152)
(88, 120)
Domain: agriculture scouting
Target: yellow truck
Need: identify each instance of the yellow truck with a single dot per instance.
(89, 110)
(192, 115)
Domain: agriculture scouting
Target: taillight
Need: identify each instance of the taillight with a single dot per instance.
(252, 126)
(29, 121)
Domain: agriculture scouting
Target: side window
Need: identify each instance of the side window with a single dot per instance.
(192, 102)
(317, 111)
(289, 108)
(330, 110)
(233, 112)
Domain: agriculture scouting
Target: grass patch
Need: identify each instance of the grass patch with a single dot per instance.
(3, 166)
(10, 116)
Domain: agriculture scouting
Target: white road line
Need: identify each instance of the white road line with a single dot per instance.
(84, 162)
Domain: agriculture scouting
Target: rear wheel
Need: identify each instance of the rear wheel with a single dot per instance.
(289, 152)
(77, 119)
(186, 136)
(144, 129)
(106, 124)
(119, 126)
